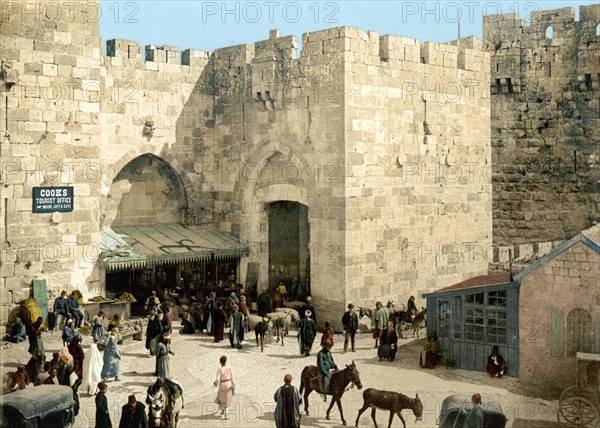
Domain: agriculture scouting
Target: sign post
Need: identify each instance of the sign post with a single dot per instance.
(52, 199)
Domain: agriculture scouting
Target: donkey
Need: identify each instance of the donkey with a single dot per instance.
(310, 380)
(392, 401)
(281, 324)
(260, 329)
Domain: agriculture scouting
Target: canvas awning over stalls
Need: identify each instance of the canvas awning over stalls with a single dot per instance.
(144, 246)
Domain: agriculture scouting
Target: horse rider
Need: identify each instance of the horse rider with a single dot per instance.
(412, 308)
(326, 366)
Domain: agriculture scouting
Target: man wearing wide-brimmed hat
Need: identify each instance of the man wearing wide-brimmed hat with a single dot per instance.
(350, 323)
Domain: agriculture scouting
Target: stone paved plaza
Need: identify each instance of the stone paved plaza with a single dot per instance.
(258, 375)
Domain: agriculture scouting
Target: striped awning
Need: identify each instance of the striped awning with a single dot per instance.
(143, 246)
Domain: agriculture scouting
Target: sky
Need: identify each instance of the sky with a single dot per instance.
(207, 25)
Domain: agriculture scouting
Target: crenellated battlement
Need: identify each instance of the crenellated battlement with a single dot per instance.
(466, 54)
(509, 27)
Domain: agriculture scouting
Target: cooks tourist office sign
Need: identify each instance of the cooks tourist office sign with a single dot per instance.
(52, 199)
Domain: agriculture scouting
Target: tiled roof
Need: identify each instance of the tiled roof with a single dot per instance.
(478, 281)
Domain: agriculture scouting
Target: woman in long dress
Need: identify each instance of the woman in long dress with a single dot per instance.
(162, 351)
(226, 385)
(92, 369)
(154, 328)
(98, 326)
(218, 320)
(111, 359)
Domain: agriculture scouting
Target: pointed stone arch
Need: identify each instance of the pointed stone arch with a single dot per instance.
(274, 171)
(143, 189)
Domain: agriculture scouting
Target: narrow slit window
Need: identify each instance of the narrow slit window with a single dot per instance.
(498, 86)
(509, 85)
(588, 82)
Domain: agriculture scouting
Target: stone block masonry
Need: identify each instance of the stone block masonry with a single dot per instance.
(545, 78)
(384, 141)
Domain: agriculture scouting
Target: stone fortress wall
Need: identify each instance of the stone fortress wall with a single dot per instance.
(545, 123)
(385, 140)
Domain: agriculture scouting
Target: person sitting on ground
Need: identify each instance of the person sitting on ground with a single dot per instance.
(389, 343)
(69, 333)
(17, 332)
(495, 364)
(115, 322)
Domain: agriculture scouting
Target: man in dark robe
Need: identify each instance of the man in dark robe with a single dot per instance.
(78, 355)
(19, 379)
(167, 319)
(133, 414)
(295, 292)
(309, 307)
(350, 323)
(236, 325)
(209, 307)
(102, 412)
(263, 303)
(154, 328)
(35, 336)
(495, 364)
(218, 319)
(287, 412)
(307, 333)
(389, 343)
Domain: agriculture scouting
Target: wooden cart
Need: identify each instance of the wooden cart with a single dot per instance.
(579, 405)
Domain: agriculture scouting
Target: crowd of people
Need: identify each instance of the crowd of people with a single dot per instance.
(92, 370)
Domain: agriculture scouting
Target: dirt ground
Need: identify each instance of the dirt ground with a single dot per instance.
(258, 375)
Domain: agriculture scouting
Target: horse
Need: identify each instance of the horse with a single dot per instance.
(311, 380)
(262, 328)
(392, 401)
(35, 366)
(165, 401)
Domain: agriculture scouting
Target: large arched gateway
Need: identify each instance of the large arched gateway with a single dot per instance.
(148, 242)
